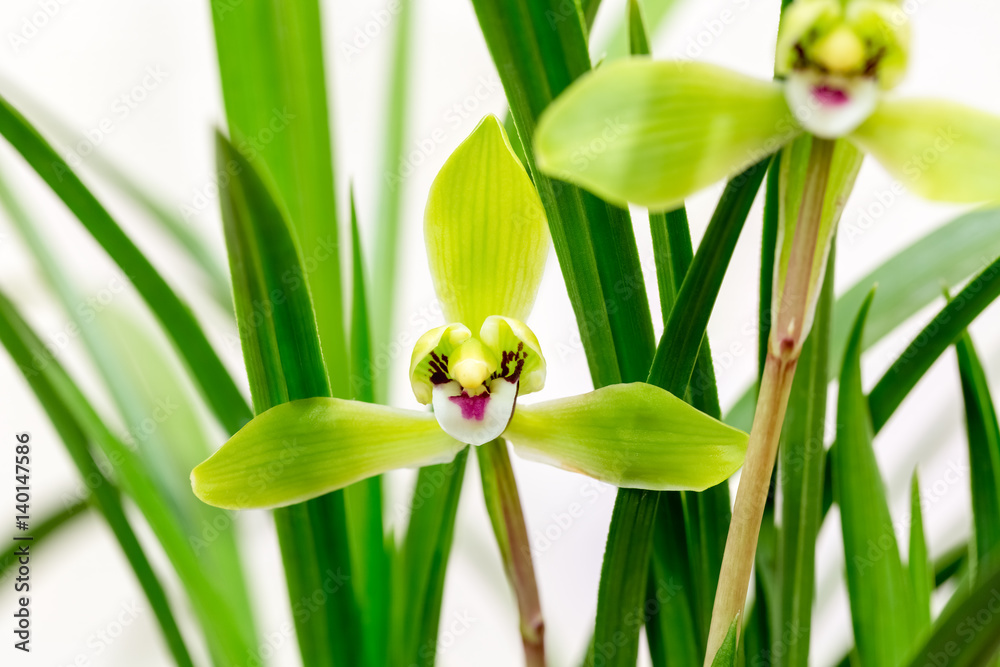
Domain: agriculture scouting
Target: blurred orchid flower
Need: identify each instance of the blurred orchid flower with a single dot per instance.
(652, 133)
(487, 243)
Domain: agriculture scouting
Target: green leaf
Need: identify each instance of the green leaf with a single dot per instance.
(652, 133)
(271, 63)
(363, 501)
(618, 44)
(968, 634)
(281, 351)
(207, 371)
(485, 231)
(918, 564)
(984, 451)
(943, 330)
(169, 439)
(727, 655)
(881, 601)
(907, 282)
(630, 435)
(940, 150)
(390, 175)
(638, 39)
(421, 563)
(42, 529)
(77, 425)
(800, 476)
(317, 445)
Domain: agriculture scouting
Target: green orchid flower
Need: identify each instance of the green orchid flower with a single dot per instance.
(652, 133)
(487, 243)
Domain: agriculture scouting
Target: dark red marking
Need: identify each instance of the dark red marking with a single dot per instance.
(831, 96)
(473, 407)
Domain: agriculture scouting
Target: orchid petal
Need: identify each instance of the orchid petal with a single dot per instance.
(474, 420)
(941, 150)
(517, 349)
(303, 449)
(486, 233)
(431, 354)
(630, 435)
(652, 133)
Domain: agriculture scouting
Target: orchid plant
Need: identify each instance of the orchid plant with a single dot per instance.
(487, 244)
(652, 133)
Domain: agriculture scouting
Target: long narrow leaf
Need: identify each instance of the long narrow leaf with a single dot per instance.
(206, 369)
(281, 351)
(984, 450)
(881, 601)
(42, 529)
(274, 87)
(918, 564)
(76, 423)
(364, 500)
(422, 563)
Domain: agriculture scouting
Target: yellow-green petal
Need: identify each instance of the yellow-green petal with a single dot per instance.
(517, 349)
(940, 150)
(303, 449)
(652, 133)
(631, 435)
(429, 360)
(485, 229)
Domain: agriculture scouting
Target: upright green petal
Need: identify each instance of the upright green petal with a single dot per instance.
(303, 449)
(631, 435)
(487, 238)
(940, 150)
(653, 133)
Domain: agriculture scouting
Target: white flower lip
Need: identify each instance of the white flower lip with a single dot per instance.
(475, 420)
(830, 106)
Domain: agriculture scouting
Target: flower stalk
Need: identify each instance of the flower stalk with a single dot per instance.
(796, 295)
(504, 505)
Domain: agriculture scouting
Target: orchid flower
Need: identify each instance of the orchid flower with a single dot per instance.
(487, 243)
(654, 132)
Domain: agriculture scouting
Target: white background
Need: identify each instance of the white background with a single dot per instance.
(91, 52)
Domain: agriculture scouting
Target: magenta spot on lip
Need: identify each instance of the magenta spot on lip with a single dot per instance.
(831, 96)
(473, 407)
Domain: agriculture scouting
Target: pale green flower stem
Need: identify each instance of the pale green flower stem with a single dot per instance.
(504, 505)
(787, 336)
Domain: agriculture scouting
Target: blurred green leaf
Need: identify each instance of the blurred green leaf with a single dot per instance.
(984, 451)
(271, 63)
(918, 564)
(42, 529)
(210, 376)
(967, 634)
(880, 596)
(422, 561)
(943, 330)
(282, 355)
(392, 181)
(369, 551)
(78, 425)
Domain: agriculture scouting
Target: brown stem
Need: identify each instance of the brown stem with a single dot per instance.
(741, 543)
(504, 506)
(787, 336)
